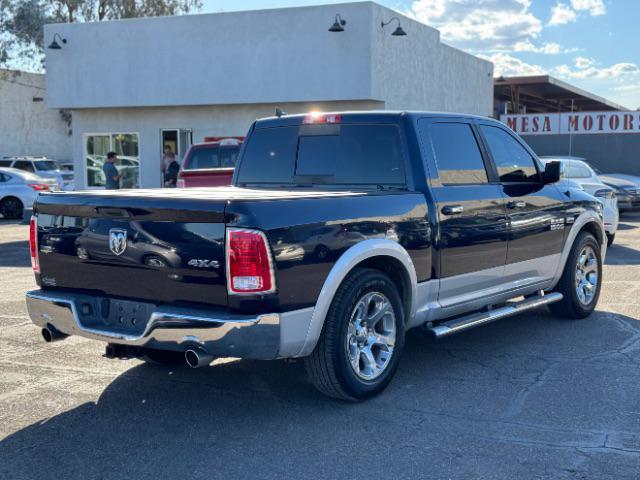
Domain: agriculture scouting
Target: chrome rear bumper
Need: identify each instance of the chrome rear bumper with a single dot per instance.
(167, 328)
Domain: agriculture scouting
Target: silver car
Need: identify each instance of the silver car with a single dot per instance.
(578, 173)
(19, 189)
(42, 167)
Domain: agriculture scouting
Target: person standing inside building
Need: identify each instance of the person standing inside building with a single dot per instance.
(167, 158)
(171, 173)
(111, 172)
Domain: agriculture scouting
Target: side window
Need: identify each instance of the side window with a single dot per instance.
(24, 165)
(512, 160)
(578, 170)
(457, 154)
(5, 163)
(3, 178)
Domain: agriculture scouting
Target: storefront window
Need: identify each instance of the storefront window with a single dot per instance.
(126, 146)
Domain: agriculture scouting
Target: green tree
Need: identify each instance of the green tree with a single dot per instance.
(22, 21)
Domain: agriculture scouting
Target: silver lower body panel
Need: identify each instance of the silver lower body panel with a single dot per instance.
(219, 333)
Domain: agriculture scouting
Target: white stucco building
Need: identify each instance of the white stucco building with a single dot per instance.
(134, 85)
(27, 126)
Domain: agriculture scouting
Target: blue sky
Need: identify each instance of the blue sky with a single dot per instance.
(593, 44)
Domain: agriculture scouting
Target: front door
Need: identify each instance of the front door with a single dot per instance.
(536, 211)
(472, 236)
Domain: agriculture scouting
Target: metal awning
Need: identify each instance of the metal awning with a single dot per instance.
(543, 93)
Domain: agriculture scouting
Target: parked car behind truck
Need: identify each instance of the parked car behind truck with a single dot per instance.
(209, 164)
(444, 222)
(42, 167)
(577, 173)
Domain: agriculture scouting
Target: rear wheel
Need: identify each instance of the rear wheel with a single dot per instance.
(581, 280)
(11, 208)
(362, 339)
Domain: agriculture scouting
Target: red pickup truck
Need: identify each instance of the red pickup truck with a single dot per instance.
(209, 164)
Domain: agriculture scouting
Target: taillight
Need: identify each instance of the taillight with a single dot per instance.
(39, 187)
(249, 264)
(315, 117)
(33, 244)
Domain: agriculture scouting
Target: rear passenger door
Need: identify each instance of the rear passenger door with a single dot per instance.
(536, 211)
(472, 222)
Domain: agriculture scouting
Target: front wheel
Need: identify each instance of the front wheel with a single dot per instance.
(362, 339)
(581, 280)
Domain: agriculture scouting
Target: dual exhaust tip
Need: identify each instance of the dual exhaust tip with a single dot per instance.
(194, 357)
(50, 334)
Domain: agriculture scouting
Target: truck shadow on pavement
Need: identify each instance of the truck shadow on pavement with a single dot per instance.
(249, 419)
(15, 254)
(618, 254)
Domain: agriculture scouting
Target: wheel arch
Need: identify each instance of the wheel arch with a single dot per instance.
(590, 222)
(382, 254)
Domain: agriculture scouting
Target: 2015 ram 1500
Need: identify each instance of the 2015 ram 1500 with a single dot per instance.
(340, 232)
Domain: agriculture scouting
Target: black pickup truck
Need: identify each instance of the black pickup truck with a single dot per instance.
(340, 232)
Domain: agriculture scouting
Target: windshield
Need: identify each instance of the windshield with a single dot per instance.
(348, 155)
(47, 165)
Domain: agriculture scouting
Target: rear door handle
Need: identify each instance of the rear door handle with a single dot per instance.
(518, 204)
(452, 209)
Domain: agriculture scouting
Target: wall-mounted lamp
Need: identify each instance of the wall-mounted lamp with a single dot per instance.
(338, 24)
(398, 32)
(54, 45)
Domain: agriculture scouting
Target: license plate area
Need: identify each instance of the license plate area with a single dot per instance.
(112, 315)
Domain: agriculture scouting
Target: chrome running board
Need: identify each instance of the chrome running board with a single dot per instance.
(480, 318)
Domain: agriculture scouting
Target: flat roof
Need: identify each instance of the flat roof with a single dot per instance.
(544, 93)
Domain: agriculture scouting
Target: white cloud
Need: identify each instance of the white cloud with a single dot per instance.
(594, 7)
(508, 66)
(479, 24)
(582, 62)
(562, 14)
(628, 87)
(548, 48)
(619, 71)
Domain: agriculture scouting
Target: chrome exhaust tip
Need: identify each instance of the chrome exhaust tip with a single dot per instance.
(197, 358)
(50, 334)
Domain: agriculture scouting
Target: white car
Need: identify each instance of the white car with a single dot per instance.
(577, 173)
(18, 190)
(42, 167)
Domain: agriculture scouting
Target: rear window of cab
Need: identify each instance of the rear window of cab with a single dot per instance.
(335, 154)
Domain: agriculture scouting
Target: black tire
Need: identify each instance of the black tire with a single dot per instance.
(11, 208)
(163, 357)
(570, 306)
(328, 366)
(610, 238)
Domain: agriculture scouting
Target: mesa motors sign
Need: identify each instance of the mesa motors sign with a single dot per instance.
(573, 123)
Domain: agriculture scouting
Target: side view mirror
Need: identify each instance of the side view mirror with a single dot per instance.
(551, 172)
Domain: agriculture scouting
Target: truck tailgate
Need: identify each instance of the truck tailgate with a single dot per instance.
(158, 246)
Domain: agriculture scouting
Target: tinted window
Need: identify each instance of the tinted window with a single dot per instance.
(577, 170)
(213, 157)
(3, 178)
(457, 154)
(47, 165)
(24, 165)
(512, 160)
(5, 163)
(324, 154)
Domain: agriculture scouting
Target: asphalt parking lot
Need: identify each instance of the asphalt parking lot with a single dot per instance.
(525, 398)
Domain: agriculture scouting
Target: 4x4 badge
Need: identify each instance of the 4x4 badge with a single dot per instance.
(117, 240)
